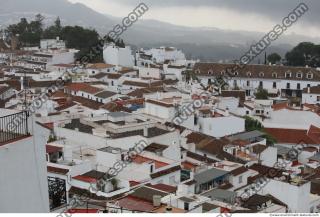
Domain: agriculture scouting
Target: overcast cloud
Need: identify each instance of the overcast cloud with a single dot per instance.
(251, 15)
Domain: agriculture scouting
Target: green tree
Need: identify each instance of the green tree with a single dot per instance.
(253, 124)
(274, 58)
(53, 31)
(84, 40)
(305, 53)
(29, 33)
(261, 93)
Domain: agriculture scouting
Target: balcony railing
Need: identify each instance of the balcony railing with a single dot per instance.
(13, 127)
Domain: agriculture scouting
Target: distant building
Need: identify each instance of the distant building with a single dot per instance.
(118, 56)
(46, 44)
(311, 95)
(284, 80)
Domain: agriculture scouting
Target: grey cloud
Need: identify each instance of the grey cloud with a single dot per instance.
(274, 9)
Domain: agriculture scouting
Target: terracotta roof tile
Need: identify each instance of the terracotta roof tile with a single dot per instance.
(294, 136)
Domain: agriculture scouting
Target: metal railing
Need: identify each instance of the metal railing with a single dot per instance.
(13, 126)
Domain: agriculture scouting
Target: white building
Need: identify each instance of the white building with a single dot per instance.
(118, 56)
(311, 95)
(162, 54)
(47, 58)
(23, 183)
(46, 44)
(287, 81)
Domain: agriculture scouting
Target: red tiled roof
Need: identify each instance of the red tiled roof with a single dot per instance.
(59, 94)
(215, 69)
(165, 172)
(87, 102)
(188, 165)
(140, 159)
(136, 204)
(134, 183)
(57, 170)
(82, 211)
(294, 136)
(83, 87)
(52, 149)
(85, 179)
(313, 90)
(165, 188)
(100, 66)
(280, 106)
(239, 171)
(159, 103)
(314, 133)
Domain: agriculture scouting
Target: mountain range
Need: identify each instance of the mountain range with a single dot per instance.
(208, 44)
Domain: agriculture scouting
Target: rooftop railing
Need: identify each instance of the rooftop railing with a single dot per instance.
(13, 127)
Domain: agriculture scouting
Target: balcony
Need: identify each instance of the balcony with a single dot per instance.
(13, 127)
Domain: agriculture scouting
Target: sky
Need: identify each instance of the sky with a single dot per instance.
(248, 15)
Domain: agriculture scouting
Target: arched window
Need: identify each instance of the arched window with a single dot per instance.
(274, 75)
(310, 75)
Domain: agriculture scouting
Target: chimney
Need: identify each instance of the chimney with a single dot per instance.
(308, 89)
(145, 131)
(156, 200)
(227, 111)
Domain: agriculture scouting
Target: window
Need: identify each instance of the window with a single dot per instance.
(298, 86)
(248, 83)
(236, 73)
(222, 73)
(93, 72)
(308, 85)
(151, 168)
(274, 85)
(288, 85)
(186, 206)
(274, 75)
(318, 98)
(309, 75)
(249, 74)
(240, 179)
(198, 71)
(299, 75)
(261, 84)
(247, 112)
(288, 75)
(261, 74)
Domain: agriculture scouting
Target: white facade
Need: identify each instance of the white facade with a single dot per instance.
(118, 56)
(52, 43)
(150, 72)
(23, 180)
(221, 126)
(159, 55)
